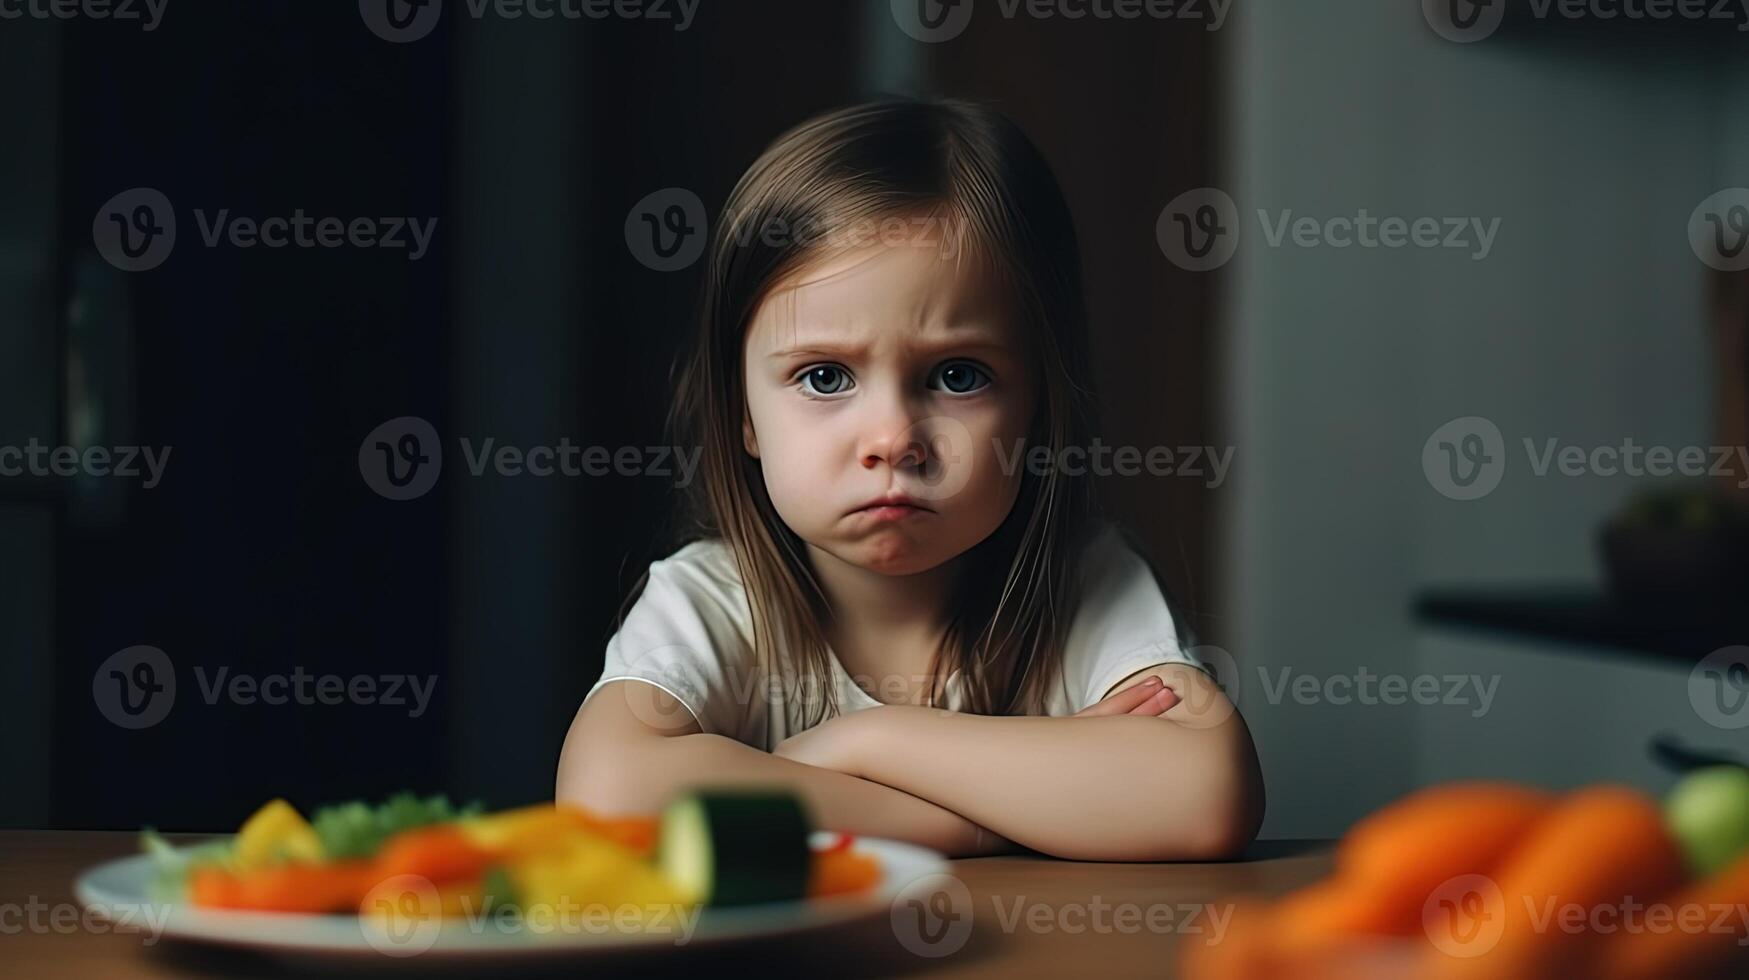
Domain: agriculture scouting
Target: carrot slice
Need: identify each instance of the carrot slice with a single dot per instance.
(842, 873)
(439, 853)
(297, 887)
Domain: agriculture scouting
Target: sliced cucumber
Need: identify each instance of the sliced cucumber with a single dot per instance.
(736, 847)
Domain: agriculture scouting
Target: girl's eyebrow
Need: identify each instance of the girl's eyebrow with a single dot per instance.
(979, 341)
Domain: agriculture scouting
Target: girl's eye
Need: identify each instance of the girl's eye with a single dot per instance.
(825, 379)
(960, 377)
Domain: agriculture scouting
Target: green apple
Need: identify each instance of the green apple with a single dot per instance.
(1708, 813)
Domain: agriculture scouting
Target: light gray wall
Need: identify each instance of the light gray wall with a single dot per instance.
(1584, 323)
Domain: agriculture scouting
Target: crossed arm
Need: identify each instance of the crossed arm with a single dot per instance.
(1151, 773)
(1122, 781)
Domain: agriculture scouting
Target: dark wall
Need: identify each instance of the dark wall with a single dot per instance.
(265, 550)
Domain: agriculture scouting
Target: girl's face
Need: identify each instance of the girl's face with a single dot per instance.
(887, 375)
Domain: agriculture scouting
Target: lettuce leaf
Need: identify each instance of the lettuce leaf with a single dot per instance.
(357, 829)
(171, 864)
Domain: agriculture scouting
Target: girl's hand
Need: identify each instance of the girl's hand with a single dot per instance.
(1150, 697)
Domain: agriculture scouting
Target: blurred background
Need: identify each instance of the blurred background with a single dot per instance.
(1403, 574)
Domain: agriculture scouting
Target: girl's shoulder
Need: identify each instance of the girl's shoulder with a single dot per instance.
(701, 575)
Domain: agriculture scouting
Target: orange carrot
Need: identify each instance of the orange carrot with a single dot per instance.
(298, 887)
(1598, 848)
(438, 852)
(213, 888)
(1395, 858)
(635, 832)
(1701, 936)
(842, 872)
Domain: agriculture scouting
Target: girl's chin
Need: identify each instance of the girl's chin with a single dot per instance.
(894, 551)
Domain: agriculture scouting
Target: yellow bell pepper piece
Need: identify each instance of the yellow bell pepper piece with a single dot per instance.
(588, 872)
(275, 833)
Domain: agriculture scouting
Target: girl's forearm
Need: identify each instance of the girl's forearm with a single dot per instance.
(1121, 788)
(643, 778)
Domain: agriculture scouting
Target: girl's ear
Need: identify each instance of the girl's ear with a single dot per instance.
(749, 439)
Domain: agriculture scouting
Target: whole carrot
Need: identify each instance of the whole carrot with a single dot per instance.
(1599, 849)
(1703, 934)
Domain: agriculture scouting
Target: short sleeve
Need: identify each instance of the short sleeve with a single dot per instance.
(686, 635)
(1122, 624)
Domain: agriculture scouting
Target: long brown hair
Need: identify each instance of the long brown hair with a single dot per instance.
(972, 171)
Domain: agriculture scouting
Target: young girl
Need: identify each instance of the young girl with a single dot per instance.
(891, 364)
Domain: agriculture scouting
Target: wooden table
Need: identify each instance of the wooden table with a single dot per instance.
(1029, 917)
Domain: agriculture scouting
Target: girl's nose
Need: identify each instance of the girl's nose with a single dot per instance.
(894, 438)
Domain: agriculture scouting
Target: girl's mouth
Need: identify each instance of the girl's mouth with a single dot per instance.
(890, 512)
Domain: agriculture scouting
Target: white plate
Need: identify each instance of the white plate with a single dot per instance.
(117, 891)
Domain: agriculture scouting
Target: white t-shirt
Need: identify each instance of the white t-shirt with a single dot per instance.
(690, 633)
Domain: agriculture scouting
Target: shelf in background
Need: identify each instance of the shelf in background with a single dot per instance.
(1685, 632)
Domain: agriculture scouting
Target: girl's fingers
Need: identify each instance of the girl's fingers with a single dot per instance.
(1163, 700)
(1125, 701)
